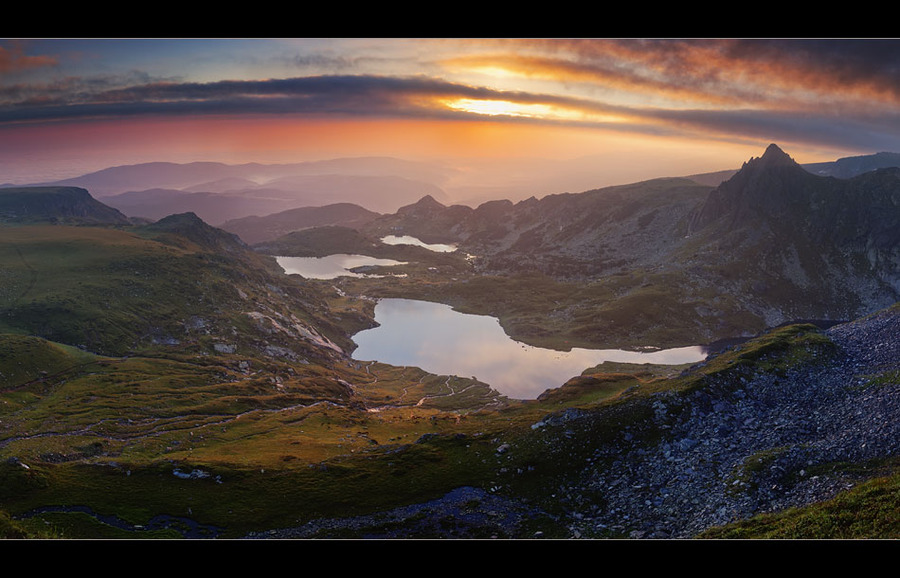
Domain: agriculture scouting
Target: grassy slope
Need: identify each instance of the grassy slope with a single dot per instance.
(110, 435)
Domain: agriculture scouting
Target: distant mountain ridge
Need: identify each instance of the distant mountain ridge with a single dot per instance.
(154, 190)
(842, 168)
(256, 229)
(119, 179)
(847, 167)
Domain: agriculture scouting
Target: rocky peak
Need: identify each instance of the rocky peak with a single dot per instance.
(425, 205)
(773, 157)
(765, 185)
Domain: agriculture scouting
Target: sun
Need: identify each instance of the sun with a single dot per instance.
(500, 108)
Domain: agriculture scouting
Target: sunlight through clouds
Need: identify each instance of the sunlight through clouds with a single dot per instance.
(820, 98)
(547, 112)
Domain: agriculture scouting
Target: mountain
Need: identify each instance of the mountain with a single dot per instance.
(588, 234)
(803, 245)
(214, 208)
(668, 261)
(258, 229)
(190, 227)
(848, 167)
(220, 177)
(174, 285)
(376, 193)
(71, 205)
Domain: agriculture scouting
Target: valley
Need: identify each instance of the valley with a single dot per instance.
(167, 367)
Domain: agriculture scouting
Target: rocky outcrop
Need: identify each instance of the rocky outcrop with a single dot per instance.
(56, 205)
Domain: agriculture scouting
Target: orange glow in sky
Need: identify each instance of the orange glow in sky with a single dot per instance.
(676, 106)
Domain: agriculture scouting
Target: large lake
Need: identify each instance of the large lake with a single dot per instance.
(442, 341)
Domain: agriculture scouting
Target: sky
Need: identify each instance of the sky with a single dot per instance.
(600, 110)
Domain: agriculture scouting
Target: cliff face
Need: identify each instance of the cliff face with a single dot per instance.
(59, 205)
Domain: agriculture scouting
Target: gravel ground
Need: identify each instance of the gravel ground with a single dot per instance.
(754, 446)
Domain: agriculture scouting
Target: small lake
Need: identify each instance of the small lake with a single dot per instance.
(331, 266)
(434, 337)
(410, 240)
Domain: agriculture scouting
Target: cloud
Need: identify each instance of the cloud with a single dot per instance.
(758, 73)
(14, 59)
(351, 96)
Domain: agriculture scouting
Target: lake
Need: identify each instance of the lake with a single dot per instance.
(410, 240)
(331, 266)
(434, 337)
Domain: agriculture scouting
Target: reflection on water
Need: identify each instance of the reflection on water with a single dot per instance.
(410, 240)
(329, 267)
(439, 340)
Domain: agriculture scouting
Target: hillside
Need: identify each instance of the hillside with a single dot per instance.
(256, 229)
(807, 246)
(178, 284)
(172, 348)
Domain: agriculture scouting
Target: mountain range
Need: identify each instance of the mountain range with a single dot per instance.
(772, 244)
(219, 192)
(164, 377)
(379, 184)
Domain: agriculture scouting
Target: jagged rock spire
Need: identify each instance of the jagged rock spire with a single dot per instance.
(764, 184)
(773, 156)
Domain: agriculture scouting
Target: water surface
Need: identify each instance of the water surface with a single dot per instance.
(331, 266)
(442, 341)
(410, 240)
